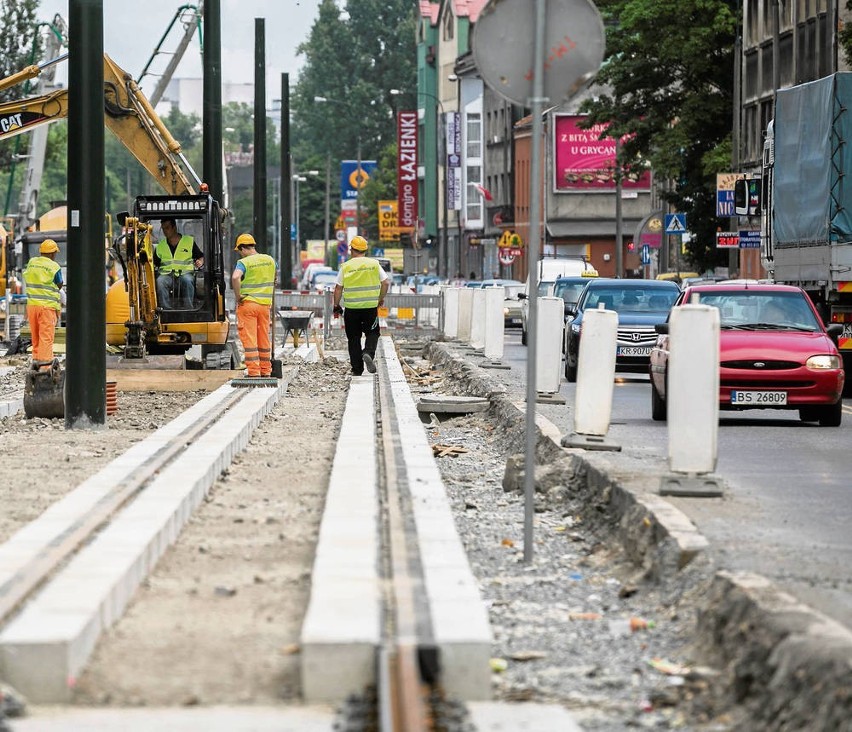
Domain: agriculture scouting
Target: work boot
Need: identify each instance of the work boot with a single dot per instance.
(369, 363)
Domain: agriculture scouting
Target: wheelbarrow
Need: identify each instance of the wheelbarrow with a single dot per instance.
(295, 322)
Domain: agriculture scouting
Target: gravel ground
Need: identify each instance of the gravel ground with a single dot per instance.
(223, 608)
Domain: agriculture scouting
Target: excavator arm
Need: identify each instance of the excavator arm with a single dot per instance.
(128, 115)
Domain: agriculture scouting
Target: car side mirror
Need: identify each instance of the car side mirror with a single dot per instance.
(661, 328)
(522, 296)
(834, 330)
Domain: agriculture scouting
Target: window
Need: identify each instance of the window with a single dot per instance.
(473, 136)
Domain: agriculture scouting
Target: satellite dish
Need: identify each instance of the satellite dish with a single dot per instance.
(504, 38)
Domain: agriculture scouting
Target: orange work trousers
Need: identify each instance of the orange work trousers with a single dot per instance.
(43, 326)
(253, 329)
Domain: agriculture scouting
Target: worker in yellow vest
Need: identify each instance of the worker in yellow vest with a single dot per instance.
(362, 284)
(175, 257)
(43, 278)
(253, 281)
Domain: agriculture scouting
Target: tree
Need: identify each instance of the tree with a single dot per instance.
(674, 98)
(844, 37)
(353, 60)
(380, 187)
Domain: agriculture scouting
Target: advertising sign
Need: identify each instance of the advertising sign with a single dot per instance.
(749, 239)
(725, 194)
(454, 171)
(388, 228)
(585, 163)
(727, 240)
(352, 179)
(406, 168)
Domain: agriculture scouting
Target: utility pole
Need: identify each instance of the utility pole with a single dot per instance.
(619, 234)
(259, 168)
(327, 205)
(287, 261)
(212, 104)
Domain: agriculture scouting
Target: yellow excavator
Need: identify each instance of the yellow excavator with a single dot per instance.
(140, 320)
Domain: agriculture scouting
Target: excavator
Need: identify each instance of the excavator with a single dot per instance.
(140, 323)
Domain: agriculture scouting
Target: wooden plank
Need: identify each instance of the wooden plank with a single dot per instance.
(178, 380)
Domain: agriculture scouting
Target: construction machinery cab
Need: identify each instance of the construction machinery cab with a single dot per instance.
(169, 319)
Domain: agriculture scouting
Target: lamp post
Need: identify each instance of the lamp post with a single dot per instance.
(294, 196)
(324, 100)
(439, 135)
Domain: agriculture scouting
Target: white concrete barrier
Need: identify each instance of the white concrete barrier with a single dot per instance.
(595, 373)
(477, 319)
(495, 322)
(551, 316)
(465, 313)
(430, 316)
(451, 312)
(693, 388)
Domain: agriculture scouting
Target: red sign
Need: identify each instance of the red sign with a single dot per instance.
(585, 163)
(727, 240)
(406, 169)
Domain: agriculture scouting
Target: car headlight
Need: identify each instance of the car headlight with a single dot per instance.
(575, 328)
(818, 363)
(505, 312)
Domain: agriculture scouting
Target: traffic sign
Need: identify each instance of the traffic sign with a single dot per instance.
(340, 235)
(505, 256)
(646, 254)
(675, 223)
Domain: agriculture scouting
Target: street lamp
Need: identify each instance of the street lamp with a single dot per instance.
(294, 198)
(440, 132)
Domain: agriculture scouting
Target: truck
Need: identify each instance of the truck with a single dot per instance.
(804, 198)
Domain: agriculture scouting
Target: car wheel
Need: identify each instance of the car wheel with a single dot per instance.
(831, 416)
(524, 337)
(570, 370)
(809, 414)
(658, 405)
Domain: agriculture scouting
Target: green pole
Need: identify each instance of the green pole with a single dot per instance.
(85, 377)
(212, 104)
(288, 255)
(259, 217)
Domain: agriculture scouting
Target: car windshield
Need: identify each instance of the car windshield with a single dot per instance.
(756, 310)
(568, 291)
(631, 299)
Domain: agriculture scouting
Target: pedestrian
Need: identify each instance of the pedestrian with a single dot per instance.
(43, 278)
(362, 284)
(253, 281)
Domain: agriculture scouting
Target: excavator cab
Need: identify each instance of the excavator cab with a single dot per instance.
(152, 311)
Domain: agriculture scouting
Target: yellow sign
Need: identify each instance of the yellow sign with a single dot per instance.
(505, 240)
(388, 223)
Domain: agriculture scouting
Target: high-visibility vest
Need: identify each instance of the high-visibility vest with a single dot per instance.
(361, 283)
(259, 278)
(179, 262)
(41, 289)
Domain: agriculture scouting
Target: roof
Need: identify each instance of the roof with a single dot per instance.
(430, 10)
(468, 8)
(623, 283)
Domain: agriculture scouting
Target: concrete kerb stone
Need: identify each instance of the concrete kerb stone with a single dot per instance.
(145, 529)
(787, 664)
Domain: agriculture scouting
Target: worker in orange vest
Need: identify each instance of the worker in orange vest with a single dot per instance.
(43, 278)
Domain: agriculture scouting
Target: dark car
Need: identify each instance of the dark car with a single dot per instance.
(569, 289)
(774, 353)
(640, 304)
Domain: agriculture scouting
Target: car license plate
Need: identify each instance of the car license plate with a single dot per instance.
(634, 351)
(756, 398)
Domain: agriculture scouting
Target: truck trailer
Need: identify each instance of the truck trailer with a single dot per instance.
(806, 227)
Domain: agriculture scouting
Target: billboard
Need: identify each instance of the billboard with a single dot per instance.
(454, 171)
(406, 168)
(388, 226)
(725, 194)
(353, 179)
(584, 163)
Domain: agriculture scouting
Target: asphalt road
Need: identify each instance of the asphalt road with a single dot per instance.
(787, 509)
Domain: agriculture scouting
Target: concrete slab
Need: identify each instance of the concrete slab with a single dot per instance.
(446, 404)
(493, 717)
(210, 719)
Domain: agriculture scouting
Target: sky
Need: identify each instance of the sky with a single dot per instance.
(130, 37)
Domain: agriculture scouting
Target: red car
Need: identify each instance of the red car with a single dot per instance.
(774, 352)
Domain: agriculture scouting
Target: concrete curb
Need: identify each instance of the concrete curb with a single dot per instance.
(44, 648)
(789, 665)
(11, 407)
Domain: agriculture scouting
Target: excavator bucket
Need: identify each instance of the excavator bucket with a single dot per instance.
(44, 391)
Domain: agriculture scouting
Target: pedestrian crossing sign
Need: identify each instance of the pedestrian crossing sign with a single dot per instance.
(675, 223)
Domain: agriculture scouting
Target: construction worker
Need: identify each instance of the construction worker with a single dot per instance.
(174, 257)
(43, 278)
(253, 281)
(363, 284)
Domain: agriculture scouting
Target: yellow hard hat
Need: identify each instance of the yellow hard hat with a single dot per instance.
(359, 244)
(244, 240)
(48, 246)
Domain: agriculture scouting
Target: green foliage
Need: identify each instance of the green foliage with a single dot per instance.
(352, 60)
(844, 37)
(675, 97)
